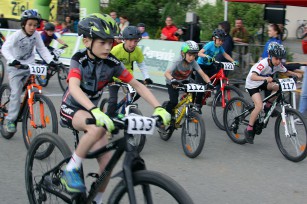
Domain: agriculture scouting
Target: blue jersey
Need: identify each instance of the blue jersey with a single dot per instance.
(265, 51)
(210, 50)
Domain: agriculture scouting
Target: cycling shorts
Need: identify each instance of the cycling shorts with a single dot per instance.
(258, 89)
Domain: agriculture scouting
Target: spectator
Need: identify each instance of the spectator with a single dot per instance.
(69, 23)
(2, 39)
(41, 25)
(274, 34)
(303, 100)
(65, 28)
(3, 22)
(123, 23)
(113, 14)
(228, 44)
(239, 33)
(169, 32)
(141, 28)
(58, 26)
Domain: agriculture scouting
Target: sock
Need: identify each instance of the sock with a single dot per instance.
(249, 127)
(74, 162)
(98, 198)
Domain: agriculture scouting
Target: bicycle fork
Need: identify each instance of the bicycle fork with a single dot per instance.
(41, 110)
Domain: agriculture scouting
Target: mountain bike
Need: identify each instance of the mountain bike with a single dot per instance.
(36, 113)
(60, 69)
(186, 116)
(137, 184)
(291, 138)
(126, 106)
(223, 95)
(300, 31)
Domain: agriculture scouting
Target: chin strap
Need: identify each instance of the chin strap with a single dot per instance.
(96, 59)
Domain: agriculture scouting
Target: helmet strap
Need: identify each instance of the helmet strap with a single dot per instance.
(91, 51)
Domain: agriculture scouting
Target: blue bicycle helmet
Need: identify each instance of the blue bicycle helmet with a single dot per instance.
(29, 14)
(276, 50)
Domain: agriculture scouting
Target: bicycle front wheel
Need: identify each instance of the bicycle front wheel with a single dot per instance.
(5, 93)
(42, 80)
(39, 187)
(217, 109)
(139, 140)
(166, 132)
(48, 116)
(2, 68)
(300, 32)
(292, 144)
(193, 134)
(62, 76)
(151, 187)
(234, 122)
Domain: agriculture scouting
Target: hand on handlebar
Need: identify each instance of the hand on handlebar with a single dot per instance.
(210, 59)
(210, 85)
(235, 63)
(102, 119)
(148, 81)
(175, 82)
(269, 79)
(162, 113)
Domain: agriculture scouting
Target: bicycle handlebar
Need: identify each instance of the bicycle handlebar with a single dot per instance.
(21, 66)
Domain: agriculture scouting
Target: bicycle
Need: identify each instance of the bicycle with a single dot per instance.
(60, 69)
(36, 113)
(43, 177)
(2, 69)
(223, 95)
(186, 116)
(126, 106)
(287, 133)
(300, 31)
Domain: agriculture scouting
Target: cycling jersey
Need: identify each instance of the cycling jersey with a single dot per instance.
(210, 50)
(262, 68)
(182, 72)
(93, 75)
(47, 39)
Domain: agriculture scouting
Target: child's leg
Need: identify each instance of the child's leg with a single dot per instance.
(256, 97)
(113, 91)
(173, 98)
(272, 87)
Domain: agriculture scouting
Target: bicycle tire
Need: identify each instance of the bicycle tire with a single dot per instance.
(300, 32)
(152, 178)
(285, 34)
(192, 149)
(298, 137)
(5, 92)
(29, 132)
(34, 168)
(234, 132)
(167, 133)
(140, 139)
(2, 71)
(42, 82)
(215, 109)
(62, 77)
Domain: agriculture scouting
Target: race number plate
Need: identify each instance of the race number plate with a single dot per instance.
(287, 84)
(195, 88)
(38, 69)
(228, 66)
(140, 125)
(130, 88)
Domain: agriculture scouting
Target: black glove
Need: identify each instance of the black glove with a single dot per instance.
(185, 82)
(295, 78)
(65, 45)
(148, 81)
(14, 63)
(174, 82)
(210, 85)
(53, 64)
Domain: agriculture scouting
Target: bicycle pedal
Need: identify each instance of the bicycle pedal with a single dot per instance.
(93, 175)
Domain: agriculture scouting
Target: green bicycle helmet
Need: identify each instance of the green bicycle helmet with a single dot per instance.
(98, 25)
(190, 47)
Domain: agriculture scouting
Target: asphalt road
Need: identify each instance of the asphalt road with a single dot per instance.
(224, 173)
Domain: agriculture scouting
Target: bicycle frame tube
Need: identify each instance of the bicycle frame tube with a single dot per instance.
(185, 101)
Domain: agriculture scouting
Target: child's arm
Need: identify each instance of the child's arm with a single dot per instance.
(8, 47)
(61, 41)
(256, 77)
(290, 73)
(228, 57)
(204, 76)
(201, 53)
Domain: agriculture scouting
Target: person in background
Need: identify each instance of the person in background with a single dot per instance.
(141, 27)
(113, 14)
(123, 23)
(2, 39)
(170, 31)
(303, 99)
(48, 35)
(239, 33)
(228, 43)
(69, 23)
(274, 34)
(58, 26)
(41, 25)
(65, 29)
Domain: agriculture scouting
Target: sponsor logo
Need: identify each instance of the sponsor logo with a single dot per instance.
(260, 67)
(66, 110)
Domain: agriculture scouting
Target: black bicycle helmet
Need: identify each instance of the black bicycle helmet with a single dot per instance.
(29, 14)
(219, 33)
(190, 47)
(141, 25)
(98, 25)
(131, 32)
(49, 26)
(276, 50)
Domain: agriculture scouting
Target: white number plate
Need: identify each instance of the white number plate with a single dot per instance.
(38, 69)
(228, 66)
(140, 125)
(195, 88)
(130, 88)
(287, 84)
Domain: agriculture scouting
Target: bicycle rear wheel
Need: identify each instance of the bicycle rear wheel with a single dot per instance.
(5, 93)
(151, 187)
(300, 32)
(235, 125)
(62, 76)
(2, 71)
(193, 134)
(292, 146)
(50, 118)
(217, 109)
(38, 187)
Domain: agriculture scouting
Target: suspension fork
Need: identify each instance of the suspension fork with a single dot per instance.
(41, 108)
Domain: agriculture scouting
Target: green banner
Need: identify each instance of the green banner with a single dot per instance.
(87, 8)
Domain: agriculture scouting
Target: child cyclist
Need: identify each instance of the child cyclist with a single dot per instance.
(181, 71)
(260, 78)
(206, 58)
(48, 35)
(128, 53)
(18, 50)
(90, 71)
